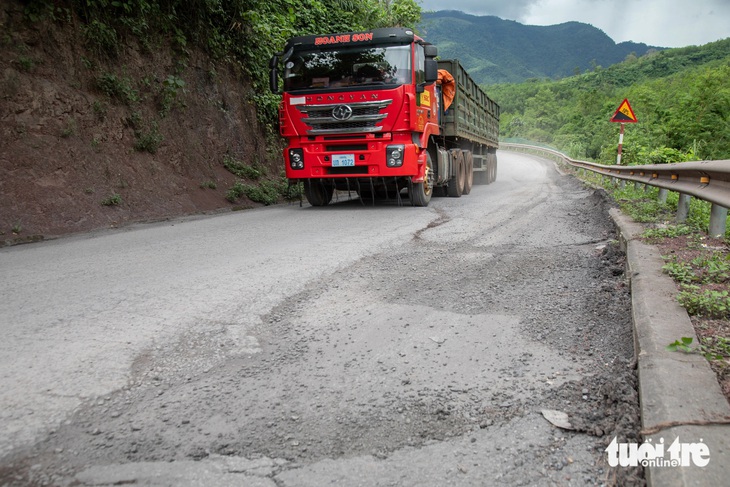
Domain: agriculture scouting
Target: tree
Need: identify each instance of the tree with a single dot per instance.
(681, 97)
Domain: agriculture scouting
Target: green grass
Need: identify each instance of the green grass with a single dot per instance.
(267, 192)
(707, 303)
(642, 204)
(112, 200)
(117, 87)
(148, 141)
(245, 171)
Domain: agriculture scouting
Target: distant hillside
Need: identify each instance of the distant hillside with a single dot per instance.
(681, 98)
(504, 51)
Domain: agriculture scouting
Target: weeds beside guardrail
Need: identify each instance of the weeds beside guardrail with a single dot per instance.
(705, 180)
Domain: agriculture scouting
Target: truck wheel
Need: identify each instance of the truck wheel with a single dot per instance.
(420, 193)
(469, 172)
(318, 193)
(456, 183)
(492, 165)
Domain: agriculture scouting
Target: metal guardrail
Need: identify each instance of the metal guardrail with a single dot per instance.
(705, 180)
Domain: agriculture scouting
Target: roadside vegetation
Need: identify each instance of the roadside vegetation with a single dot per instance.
(245, 33)
(681, 98)
(255, 184)
(699, 265)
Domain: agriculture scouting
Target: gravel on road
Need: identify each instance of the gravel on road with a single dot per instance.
(428, 362)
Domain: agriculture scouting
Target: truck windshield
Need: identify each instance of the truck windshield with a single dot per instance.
(349, 67)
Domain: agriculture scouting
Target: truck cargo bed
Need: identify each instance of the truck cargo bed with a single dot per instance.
(472, 115)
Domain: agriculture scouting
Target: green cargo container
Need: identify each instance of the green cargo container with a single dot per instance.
(471, 122)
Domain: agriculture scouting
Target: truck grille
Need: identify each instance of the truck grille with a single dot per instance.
(364, 118)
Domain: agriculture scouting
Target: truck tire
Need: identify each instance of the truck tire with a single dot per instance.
(492, 165)
(456, 183)
(420, 193)
(318, 193)
(469, 171)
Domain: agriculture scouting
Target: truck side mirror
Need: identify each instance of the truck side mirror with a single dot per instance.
(274, 75)
(430, 50)
(432, 70)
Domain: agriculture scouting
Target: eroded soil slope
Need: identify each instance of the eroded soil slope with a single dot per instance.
(90, 142)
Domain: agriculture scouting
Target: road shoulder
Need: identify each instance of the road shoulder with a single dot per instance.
(679, 394)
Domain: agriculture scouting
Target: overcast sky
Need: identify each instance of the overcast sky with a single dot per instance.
(663, 23)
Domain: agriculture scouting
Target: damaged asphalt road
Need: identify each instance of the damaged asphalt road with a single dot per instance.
(355, 345)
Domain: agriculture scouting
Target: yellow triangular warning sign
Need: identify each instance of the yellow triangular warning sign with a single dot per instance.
(624, 113)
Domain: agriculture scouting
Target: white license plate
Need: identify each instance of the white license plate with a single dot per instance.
(343, 160)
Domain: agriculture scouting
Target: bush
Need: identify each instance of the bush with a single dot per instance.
(242, 170)
(117, 87)
(266, 192)
(113, 200)
(148, 141)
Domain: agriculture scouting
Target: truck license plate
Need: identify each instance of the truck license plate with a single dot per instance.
(343, 160)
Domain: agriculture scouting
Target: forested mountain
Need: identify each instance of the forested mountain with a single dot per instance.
(681, 98)
(504, 51)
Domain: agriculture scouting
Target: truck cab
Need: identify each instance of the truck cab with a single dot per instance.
(357, 110)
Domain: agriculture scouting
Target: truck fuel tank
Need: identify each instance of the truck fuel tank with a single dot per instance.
(443, 166)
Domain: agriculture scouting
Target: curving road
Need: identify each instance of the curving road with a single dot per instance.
(350, 344)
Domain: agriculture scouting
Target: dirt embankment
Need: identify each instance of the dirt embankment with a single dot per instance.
(90, 142)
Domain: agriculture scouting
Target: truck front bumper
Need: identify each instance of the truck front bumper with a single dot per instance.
(371, 155)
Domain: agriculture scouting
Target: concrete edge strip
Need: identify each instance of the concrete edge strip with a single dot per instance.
(679, 393)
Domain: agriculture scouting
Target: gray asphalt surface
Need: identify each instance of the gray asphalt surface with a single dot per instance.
(347, 345)
(78, 311)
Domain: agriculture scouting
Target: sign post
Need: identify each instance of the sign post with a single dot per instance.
(623, 115)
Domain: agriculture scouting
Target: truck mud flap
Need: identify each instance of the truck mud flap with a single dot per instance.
(381, 192)
(368, 189)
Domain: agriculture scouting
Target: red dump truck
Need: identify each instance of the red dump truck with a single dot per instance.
(375, 113)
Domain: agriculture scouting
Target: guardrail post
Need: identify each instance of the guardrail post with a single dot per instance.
(683, 207)
(718, 218)
(663, 192)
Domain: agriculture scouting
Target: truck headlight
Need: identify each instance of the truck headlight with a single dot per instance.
(296, 158)
(394, 155)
